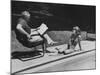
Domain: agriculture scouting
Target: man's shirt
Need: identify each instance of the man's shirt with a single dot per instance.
(25, 25)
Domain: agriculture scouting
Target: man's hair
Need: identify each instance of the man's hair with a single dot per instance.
(25, 13)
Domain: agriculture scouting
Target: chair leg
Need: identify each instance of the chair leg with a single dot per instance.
(44, 48)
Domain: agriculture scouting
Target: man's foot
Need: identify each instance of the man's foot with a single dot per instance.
(52, 43)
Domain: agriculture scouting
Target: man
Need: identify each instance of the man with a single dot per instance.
(24, 28)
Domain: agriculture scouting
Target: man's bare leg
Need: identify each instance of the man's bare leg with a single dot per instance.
(49, 40)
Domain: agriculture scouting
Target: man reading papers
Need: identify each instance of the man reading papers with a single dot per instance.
(32, 33)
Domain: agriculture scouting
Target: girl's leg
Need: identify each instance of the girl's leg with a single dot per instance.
(79, 44)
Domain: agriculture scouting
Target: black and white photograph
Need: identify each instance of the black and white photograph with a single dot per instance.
(52, 37)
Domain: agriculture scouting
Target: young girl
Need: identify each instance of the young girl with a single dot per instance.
(74, 39)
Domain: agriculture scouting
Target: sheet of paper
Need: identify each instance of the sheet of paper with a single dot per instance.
(42, 29)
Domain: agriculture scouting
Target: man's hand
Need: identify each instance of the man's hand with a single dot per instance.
(29, 36)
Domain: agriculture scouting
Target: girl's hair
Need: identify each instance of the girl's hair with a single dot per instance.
(76, 28)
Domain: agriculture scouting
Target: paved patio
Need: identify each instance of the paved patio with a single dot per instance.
(20, 66)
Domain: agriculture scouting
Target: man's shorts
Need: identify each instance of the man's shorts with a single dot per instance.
(36, 38)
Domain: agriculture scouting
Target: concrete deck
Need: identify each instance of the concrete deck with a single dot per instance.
(35, 64)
